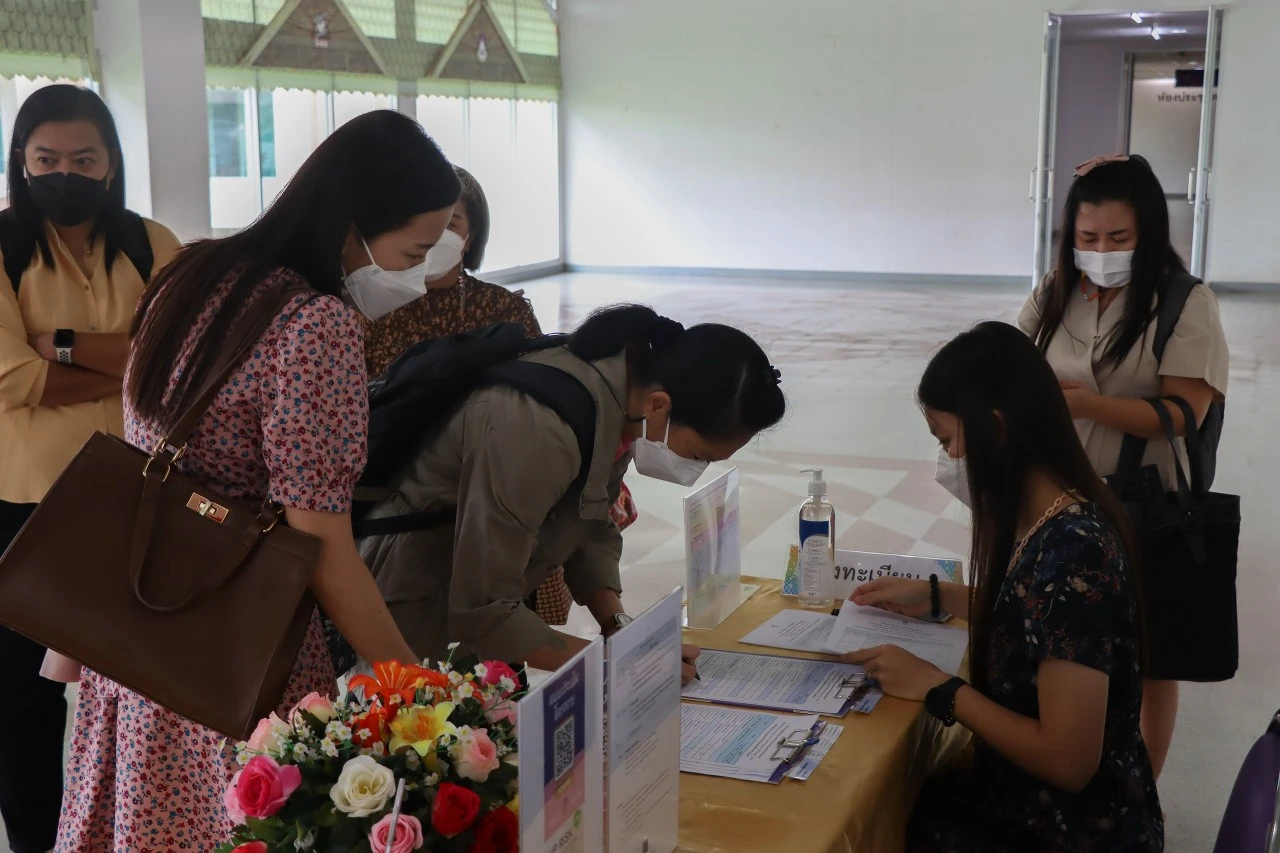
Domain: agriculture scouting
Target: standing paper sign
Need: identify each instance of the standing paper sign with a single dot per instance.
(854, 568)
(561, 729)
(713, 551)
(643, 753)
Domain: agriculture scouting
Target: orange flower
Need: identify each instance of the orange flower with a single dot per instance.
(370, 728)
(393, 680)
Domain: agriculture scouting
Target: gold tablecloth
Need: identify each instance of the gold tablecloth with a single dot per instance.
(858, 798)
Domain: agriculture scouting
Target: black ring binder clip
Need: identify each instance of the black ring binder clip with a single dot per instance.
(850, 686)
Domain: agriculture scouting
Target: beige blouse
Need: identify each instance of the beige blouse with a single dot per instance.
(1197, 350)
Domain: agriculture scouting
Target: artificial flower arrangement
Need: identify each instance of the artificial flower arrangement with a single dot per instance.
(421, 758)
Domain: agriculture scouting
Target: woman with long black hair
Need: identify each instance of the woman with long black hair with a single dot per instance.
(288, 427)
(75, 261)
(1054, 622)
(1092, 317)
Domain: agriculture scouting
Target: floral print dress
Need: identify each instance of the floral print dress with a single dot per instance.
(290, 426)
(1068, 599)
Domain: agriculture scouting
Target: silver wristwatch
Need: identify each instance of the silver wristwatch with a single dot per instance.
(620, 621)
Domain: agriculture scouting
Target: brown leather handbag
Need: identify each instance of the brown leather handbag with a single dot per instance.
(160, 583)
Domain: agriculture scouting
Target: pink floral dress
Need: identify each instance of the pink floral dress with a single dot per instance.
(290, 425)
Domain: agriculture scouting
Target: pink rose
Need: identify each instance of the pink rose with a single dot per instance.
(500, 710)
(262, 788)
(268, 737)
(474, 755)
(315, 705)
(408, 834)
(231, 799)
(496, 670)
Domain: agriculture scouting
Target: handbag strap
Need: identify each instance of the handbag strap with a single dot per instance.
(1191, 438)
(1166, 421)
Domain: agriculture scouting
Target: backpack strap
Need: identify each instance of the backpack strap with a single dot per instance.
(137, 245)
(1168, 312)
(550, 386)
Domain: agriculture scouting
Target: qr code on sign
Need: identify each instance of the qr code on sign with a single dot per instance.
(564, 750)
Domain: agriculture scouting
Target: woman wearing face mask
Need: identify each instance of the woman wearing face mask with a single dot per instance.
(1093, 320)
(75, 262)
(675, 399)
(288, 427)
(456, 301)
(1054, 623)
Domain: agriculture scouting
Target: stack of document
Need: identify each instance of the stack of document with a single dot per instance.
(778, 683)
(750, 745)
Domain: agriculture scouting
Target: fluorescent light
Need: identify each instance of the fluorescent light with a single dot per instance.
(1155, 34)
(1136, 17)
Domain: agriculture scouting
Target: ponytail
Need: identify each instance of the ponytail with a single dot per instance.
(720, 381)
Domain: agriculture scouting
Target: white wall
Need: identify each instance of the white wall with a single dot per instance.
(1090, 111)
(1166, 129)
(855, 135)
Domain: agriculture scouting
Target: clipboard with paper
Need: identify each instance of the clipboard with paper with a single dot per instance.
(750, 745)
(776, 683)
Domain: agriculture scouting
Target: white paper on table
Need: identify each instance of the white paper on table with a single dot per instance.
(643, 749)
(863, 627)
(776, 683)
(801, 630)
(717, 741)
(804, 768)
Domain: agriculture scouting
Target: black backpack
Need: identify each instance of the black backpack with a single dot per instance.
(1168, 313)
(424, 386)
(18, 252)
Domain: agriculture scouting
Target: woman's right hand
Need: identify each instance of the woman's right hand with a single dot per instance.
(907, 596)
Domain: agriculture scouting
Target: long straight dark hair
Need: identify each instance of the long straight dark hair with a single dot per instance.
(374, 173)
(1155, 260)
(1015, 420)
(63, 102)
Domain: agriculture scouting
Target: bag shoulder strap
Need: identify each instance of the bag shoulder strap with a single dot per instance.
(1168, 312)
(137, 245)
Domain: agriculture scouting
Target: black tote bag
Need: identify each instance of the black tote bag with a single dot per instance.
(1188, 540)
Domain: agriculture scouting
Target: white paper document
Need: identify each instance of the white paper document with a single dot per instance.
(809, 762)
(776, 683)
(716, 741)
(802, 630)
(863, 627)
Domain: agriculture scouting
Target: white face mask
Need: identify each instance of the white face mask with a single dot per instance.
(377, 292)
(953, 475)
(655, 459)
(1106, 269)
(444, 256)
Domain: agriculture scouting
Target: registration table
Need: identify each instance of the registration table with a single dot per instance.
(857, 799)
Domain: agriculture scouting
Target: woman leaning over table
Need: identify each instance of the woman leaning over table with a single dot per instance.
(1054, 622)
(456, 301)
(288, 426)
(64, 321)
(1092, 319)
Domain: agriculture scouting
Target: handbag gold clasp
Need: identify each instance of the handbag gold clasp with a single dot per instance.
(206, 508)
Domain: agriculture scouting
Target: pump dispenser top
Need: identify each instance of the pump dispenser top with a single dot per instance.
(817, 485)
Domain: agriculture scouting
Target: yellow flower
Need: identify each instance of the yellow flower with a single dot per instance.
(514, 805)
(422, 727)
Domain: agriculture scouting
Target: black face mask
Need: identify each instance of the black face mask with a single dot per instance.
(67, 198)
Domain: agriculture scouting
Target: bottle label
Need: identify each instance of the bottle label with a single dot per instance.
(816, 569)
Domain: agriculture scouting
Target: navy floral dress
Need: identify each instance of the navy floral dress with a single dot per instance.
(1066, 599)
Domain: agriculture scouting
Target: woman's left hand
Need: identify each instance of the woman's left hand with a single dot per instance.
(899, 672)
(1079, 396)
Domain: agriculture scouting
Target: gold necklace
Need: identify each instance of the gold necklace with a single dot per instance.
(1049, 513)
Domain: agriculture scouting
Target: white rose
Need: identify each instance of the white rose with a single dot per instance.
(363, 788)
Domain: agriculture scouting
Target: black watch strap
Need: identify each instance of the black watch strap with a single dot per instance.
(940, 702)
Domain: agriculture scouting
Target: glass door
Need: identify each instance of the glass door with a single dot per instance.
(1041, 193)
(1198, 185)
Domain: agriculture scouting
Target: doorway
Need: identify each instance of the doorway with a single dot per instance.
(1129, 83)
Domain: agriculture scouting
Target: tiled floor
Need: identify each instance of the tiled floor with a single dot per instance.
(850, 358)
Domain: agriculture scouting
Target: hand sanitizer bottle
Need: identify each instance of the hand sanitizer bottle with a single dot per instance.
(817, 545)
